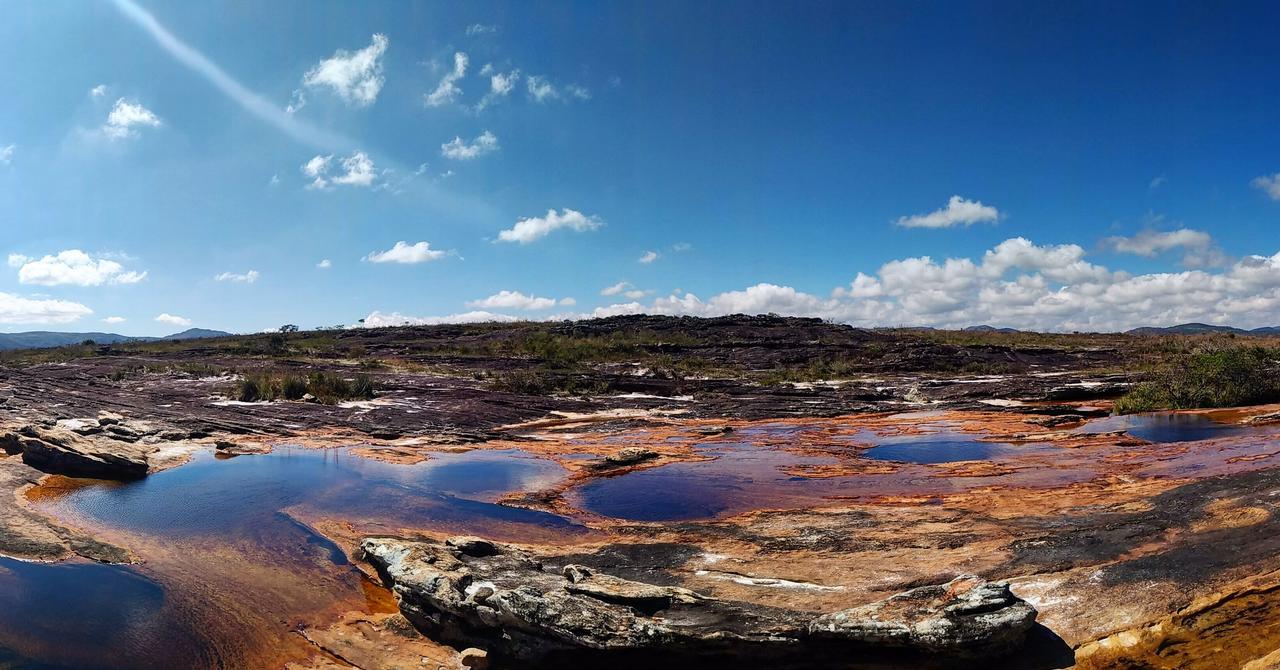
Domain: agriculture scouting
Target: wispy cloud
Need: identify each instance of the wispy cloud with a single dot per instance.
(648, 257)
(481, 29)
(6, 153)
(448, 90)
(1269, 184)
(238, 278)
(248, 100)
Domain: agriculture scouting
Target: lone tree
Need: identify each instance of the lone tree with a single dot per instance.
(288, 328)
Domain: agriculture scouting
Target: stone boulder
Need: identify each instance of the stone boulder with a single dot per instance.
(63, 451)
(472, 592)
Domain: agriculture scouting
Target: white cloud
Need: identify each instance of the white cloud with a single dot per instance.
(1198, 246)
(6, 153)
(1018, 284)
(357, 170)
(17, 309)
(406, 253)
(1157, 182)
(500, 86)
(579, 92)
(239, 278)
(447, 90)
(378, 319)
(958, 212)
(114, 319)
(568, 302)
(126, 117)
(512, 300)
(355, 76)
(530, 229)
(324, 264)
(616, 288)
(72, 267)
(173, 320)
(459, 150)
(481, 29)
(296, 102)
(98, 91)
(541, 90)
(1269, 184)
(681, 247)
(648, 257)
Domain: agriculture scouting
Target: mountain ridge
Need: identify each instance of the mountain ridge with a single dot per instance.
(40, 339)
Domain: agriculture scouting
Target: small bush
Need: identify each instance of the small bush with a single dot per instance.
(249, 390)
(293, 388)
(1226, 376)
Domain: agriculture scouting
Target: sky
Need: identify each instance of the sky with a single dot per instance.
(239, 165)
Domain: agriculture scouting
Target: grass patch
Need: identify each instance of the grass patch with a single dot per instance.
(1220, 376)
(327, 387)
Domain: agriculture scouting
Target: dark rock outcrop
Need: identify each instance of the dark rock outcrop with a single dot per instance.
(473, 592)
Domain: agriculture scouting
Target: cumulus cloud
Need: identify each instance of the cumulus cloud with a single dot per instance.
(447, 90)
(407, 254)
(377, 319)
(648, 257)
(459, 150)
(238, 278)
(513, 300)
(355, 76)
(6, 153)
(72, 267)
(126, 118)
(1198, 247)
(98, 91)
(114, 319)
(1018, 284)
(357, 170)
(324, 264)
(958, 212)
(1269, 184)
(19, 309)
(533, 228)
(173, 319)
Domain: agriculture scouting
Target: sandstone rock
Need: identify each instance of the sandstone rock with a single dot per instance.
(477, 659)
(510, 603)
(61, 451)
(624, 457)
(964, 612)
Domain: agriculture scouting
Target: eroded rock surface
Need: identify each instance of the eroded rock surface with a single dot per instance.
(506, 600)
(66, 451)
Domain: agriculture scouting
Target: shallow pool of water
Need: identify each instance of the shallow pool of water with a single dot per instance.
(230, 560)
(1167, 427)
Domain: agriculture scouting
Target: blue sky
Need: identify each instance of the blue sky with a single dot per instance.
(1073, 166)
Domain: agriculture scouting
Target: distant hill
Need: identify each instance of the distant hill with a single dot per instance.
(195, 334)
(984, 328)
(1203, 329)
(39, 339)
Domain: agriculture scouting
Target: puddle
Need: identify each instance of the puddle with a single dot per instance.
(1167, 427)
(229, 551)
(756, 470)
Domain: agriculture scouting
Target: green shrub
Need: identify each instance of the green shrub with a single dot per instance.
(1217, 376)
(249, 390)
(292, 388)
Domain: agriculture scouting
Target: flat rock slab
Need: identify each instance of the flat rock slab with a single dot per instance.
(501, 598)
(69, 451)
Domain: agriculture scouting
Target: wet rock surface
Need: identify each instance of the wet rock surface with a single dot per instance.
(516, 606)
